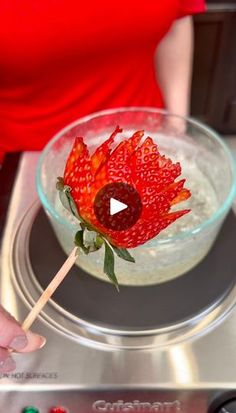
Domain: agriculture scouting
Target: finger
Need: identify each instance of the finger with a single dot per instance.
(10, 329)
(13, 336)
(7, 363)
(34, 342)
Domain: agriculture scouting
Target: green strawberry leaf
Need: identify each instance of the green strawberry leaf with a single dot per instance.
(66, 198)
(123, 253)
(109, 265)
(79, 241)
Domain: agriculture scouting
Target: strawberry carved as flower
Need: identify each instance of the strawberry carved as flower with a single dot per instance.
(133, 162)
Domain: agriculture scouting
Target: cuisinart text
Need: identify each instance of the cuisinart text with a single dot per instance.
(137, 406)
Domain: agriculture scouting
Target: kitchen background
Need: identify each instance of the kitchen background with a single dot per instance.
(214, 74)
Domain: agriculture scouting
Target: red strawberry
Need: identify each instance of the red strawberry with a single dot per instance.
(140, 165)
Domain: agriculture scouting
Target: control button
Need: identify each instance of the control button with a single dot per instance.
(30, 409)
(58, 409)
(228, 407)
(118, 206)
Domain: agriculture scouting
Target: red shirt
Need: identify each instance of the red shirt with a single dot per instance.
(63, 59)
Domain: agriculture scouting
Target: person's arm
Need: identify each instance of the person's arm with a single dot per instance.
(174, 66)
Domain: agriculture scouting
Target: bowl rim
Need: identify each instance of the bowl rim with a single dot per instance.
(221, 211)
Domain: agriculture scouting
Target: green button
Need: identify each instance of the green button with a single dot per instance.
(30, 409)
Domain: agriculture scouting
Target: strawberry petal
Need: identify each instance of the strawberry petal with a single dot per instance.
(78, 174)
(144, 230)
(183, 195)
(149, 167)
(159, 203)
(102, 153)
(117, 167)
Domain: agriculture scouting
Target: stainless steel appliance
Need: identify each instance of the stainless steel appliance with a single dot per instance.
(170, 348)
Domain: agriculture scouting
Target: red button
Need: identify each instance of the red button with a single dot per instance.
(58, 409)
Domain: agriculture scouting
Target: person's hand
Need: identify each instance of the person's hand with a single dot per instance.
(12, 337)
(175, 125)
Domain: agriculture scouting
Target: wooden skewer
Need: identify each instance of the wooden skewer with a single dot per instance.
(56, 281)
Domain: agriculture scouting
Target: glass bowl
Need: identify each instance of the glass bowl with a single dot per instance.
(206, 163)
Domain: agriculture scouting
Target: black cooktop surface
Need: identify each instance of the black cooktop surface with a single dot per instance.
(136, 308)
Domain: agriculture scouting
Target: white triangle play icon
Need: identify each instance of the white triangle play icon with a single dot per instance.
(116, 206)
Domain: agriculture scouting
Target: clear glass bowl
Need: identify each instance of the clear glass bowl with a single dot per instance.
(206, 163)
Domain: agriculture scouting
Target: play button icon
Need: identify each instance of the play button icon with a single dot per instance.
(117, 206)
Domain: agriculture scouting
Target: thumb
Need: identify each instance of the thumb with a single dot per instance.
(14, 337)
(34, 342)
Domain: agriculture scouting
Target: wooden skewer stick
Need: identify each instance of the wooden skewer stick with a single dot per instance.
(56, 281)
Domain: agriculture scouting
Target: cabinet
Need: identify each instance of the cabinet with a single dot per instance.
(214, 70)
